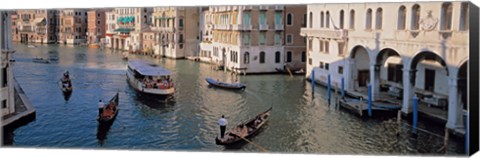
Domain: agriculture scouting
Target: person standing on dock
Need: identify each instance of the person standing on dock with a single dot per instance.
(100, 106)
(223, 125)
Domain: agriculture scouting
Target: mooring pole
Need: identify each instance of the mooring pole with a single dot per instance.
(369, 100)
(415, 115)
(329, 86)
(343, 87)
(466, 135)
(399, 121)
(312, 75)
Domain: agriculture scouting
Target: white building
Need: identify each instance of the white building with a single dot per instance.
(130, 22)
(206, 36)
(6, 77)
(110, 27)
(420, 48)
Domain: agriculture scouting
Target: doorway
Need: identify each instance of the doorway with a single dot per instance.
(363, 76)
(429, 80)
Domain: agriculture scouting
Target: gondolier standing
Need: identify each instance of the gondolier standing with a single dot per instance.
(100, 107)
(223, 125)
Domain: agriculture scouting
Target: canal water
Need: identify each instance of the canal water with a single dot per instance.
(299, 122)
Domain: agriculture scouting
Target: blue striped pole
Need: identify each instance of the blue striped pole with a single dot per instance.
(313, 80)
(369, 100)
(329, 95)
(415, 114)
(466, 135)
(343, 87)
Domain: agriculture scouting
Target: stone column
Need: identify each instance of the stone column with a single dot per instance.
(455, 116)
(349, 81)
(374, 81)
(408, 89)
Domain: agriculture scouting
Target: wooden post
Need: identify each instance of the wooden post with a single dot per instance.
(399, 121)
(445, 141)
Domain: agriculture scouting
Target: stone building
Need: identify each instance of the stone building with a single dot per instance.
(35, 26)
(73, 26)
(402, 49)
(6, 78)
(96, 25)
(130, 23)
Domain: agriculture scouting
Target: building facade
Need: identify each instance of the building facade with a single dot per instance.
(96, 25)
(110, 26)
(176, 31)
(246, 38)
(130, 23)
(206, 36)
(6, 78)
(295, 45)
(36, 26)
(73, 26)
(14, 20)
(417, 48)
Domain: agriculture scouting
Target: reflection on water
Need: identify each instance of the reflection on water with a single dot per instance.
(300, 122)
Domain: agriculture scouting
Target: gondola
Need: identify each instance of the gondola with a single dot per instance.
(66, 85)
(253, 126)
(109, 112)
(298, 72)
(40, 60)
(236, 86)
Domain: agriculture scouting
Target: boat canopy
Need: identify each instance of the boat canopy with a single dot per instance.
(148, 69)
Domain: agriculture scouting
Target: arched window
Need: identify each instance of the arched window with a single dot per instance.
(289, 19)
(310, 20)
(262, 57)
(352, 19)
(277, 57)
(415, 17)
(379, 19)
(341, 18)
(322, 19)
(246, 58)
(446, 16)
(402, 16)
(464, 16)
(327, 18)
(368, 22)
(289, 57)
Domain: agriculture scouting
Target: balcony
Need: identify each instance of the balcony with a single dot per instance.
(263, 27)
(223, 27)
(247, 7)
(263, 7)
(279, 7)
(325, 33)
(279, 27)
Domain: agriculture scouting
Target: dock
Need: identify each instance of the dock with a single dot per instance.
(24, 110)
(360, 106)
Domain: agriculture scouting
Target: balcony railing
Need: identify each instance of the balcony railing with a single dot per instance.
(279, 7)
(263, 27)
(279, 27)
(326, 33)
(263, 7)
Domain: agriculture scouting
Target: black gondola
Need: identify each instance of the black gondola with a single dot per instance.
(109, 112)
(234, 135)
(236, 86)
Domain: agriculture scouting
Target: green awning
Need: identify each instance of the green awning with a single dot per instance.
(123, 30)
(126, 19)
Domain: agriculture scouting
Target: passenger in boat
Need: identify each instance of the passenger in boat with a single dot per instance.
(241, 131)
(100, 106)
(223, 125)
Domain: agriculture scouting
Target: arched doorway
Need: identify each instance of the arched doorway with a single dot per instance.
(389, 73)
(462, 84)
(359, 69)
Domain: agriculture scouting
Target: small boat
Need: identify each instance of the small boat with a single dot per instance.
(94, 45)
(109, 112)
(217, 83)
(31, 46)
(252, 125)
(53, 58)
(40, 60)
(297, 72)
(149, 78)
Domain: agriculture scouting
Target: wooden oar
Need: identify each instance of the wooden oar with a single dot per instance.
(258, 146)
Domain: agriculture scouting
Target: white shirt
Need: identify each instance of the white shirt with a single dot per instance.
(101, 104)
(222, 122)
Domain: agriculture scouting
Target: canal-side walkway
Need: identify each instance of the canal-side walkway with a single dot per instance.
(24, 110)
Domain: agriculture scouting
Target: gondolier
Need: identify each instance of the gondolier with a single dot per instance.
(223, 125)
(100, 106)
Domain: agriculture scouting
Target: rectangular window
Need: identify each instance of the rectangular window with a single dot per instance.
(309, 61)
(278, 18)
(246, 39)
(289, 38)
(321, 45)
(340, 69)
(4, 103)
(304, 56)
(246, 19)
(327, 45)
(321, 65)
(310, 45)
(326, 66)
(262, 38)
(278, 38)
(4, 77)
(263, 18)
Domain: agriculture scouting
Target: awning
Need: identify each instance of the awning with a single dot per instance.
(38, 20)
(126, 19)
(123, 30)
(148, 69)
